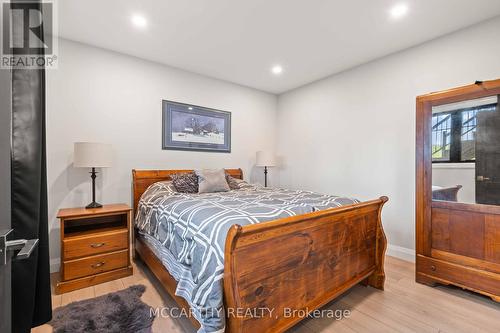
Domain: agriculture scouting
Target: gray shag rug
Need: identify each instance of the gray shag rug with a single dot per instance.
(120, 312)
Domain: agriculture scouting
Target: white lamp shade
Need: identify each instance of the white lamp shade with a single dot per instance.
(92, 155)
(266, 159)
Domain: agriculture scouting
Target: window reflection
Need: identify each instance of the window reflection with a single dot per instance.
(454, 134)
(441, 135)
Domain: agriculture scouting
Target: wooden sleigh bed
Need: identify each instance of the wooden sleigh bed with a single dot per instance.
(296, 263)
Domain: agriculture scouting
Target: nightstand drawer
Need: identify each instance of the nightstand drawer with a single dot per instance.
(77, 247)
(93, 265)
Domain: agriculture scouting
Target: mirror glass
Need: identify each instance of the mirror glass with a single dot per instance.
(465, 151)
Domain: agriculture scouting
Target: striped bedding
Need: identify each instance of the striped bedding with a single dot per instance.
(188, 231)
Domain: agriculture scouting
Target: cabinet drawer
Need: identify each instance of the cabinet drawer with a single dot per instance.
(96, 264)
(466, 277)
(76, 247)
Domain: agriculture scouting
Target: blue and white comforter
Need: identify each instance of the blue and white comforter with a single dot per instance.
(192, 229)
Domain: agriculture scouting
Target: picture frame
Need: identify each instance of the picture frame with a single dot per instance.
(195, 128)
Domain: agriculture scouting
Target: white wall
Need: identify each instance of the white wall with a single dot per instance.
(451, 174)
(354, 133)
(101, 96)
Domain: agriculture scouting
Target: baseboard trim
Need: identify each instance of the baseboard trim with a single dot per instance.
(400, 252)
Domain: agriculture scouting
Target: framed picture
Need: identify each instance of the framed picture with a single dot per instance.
(191, 127)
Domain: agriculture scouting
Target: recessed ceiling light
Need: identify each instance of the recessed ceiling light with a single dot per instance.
(277, 69)
(399, 10)
(139, 21)
(190, 108)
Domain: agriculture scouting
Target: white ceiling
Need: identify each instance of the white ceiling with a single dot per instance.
(240, 40)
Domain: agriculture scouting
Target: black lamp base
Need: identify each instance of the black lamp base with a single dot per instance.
(265, 176)
(93, 205)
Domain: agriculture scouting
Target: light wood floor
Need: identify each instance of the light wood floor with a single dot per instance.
(404, 306)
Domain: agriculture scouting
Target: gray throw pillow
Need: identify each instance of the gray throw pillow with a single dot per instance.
(212, 181)
(185, 182)
(236, 184)
(232, 182)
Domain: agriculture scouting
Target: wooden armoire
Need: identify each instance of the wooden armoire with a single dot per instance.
(458, 241)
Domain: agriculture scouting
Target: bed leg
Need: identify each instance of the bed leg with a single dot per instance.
(377, 279)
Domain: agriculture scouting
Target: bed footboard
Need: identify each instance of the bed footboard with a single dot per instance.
(276, 270)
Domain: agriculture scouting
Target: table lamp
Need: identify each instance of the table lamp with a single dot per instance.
(92, 155)
(265, 159)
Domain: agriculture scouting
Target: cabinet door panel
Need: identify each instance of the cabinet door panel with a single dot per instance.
(467, 234)
(441, 229)
(459, 232)
(492, 238)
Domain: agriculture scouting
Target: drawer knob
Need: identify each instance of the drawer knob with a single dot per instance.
(99, 264)
(433, 268)
(96, 245)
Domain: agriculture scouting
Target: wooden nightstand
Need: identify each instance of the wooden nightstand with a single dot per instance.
(95, 246)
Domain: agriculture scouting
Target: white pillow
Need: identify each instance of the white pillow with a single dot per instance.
(212, 180)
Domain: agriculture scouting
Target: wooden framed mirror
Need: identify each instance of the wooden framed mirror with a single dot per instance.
(458, 188)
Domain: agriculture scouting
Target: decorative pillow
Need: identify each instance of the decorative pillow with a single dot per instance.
(232, 182)
(235, 183)
(185, 182)
(212, 181)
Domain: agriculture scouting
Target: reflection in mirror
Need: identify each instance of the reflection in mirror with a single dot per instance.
(466, 151)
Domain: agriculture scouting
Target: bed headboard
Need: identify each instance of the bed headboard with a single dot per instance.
(142, 179)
